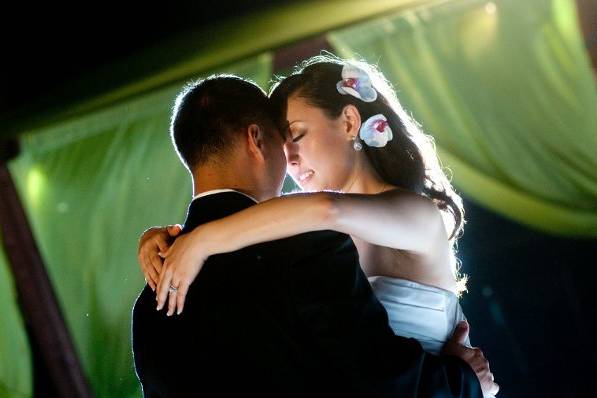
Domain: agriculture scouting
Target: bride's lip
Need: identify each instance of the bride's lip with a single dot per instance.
(305, 176)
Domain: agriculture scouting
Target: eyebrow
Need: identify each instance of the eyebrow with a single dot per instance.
(284, 133)
(294, 121)
(284, 129)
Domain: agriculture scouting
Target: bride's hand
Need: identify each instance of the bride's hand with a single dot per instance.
(183, 261)
(474, 357)
(153, 242)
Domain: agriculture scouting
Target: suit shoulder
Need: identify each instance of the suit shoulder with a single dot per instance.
(317, 239)
(311, 244)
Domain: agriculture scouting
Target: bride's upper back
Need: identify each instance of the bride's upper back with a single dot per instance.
(434, 269)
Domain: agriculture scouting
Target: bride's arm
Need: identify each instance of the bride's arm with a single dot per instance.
(396, 218)
(273, 219)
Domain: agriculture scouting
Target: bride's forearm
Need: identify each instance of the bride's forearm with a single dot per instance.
(270, 220)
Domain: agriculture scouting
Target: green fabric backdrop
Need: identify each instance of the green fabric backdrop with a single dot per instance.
(90, 186)
(15, 358)
(507, 91)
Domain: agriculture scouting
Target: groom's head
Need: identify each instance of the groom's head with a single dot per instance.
(223, 126)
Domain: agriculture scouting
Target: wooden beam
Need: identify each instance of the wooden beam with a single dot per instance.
(35, 294)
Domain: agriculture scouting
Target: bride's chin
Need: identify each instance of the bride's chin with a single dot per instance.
(309, 185)
(312, 187)
(305, 185)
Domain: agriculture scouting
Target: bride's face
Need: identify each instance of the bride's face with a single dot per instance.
(318, 150)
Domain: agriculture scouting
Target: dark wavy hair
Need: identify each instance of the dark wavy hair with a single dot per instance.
(408, 161)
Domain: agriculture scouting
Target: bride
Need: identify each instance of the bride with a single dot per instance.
(366, 170)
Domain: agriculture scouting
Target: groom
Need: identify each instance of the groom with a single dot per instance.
(294, 317)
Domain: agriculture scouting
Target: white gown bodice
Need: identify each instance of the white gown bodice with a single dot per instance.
(426, 313)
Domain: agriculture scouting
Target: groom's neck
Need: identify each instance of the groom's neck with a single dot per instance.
(209, 178)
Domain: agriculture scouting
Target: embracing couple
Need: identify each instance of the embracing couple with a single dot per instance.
(349, 288)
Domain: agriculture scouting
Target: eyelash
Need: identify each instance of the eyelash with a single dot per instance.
(298, 137)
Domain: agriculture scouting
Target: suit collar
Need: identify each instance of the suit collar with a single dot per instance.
(215, 191)
(214, 205)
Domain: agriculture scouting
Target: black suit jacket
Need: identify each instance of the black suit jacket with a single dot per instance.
(292, 317)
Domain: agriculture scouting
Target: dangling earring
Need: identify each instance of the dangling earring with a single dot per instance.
(357, 144)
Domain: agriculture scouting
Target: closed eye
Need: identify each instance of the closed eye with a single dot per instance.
(298, 137)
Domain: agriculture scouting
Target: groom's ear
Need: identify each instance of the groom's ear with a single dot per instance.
(255, 138)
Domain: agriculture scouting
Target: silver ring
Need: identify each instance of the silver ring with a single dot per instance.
(172, 289)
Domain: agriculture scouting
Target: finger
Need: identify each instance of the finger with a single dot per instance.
(490, 389)
(153, 274)
(160, 277)
(146, 268)
(488, 379)
(148, 234)
(143, 261)
(162, 290)
(495, 388)
(172, 299)
(479, 354)
(461, 332)
(163, 286)
(152, 278)
(181, 296)
(150, 283)
(467, 354)
(162, 244)
(141, 244)
(480, 366)
(166, 252)
(156, 262)
(174, 230)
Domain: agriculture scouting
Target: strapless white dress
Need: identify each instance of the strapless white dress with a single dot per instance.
(426, 313)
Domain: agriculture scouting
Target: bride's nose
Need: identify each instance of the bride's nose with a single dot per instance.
(291, 153)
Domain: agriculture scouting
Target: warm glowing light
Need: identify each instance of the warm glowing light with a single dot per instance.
(490, 8)
(35, 183)
(479, 29)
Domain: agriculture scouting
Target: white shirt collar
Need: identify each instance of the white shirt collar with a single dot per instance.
(214, 191)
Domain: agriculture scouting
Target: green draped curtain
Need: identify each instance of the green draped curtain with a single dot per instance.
(15, 361)
(504, 87)
(506, 90)
(90, 186)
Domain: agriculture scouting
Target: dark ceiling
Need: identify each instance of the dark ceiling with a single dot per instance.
(47, 46)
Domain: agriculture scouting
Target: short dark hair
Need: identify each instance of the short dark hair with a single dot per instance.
(209, 114)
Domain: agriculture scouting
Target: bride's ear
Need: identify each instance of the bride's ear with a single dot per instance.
(351, 118)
